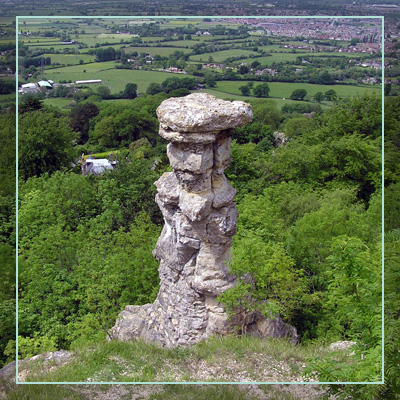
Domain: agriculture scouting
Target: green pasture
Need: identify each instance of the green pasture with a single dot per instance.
(92, 40)
(65, 59)
(150, 39)
(274, 58)
(221, 55)
(115, 79)
(273, 47)
(283, 90)
(115, 36)
(279, 102)
(57, 102)
(38, 39)
(207, 38)
(40, 43)
(161, 51)
(53, 47)
(93, 67)
(283, 57)
(181, 43)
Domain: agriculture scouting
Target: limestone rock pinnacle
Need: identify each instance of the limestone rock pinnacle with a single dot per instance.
(196, 201)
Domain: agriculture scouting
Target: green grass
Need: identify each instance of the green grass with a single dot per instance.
(56, 47)
(68, 73)
(161, 51)
(151, 39)
(65, 59)
(222, 359)
(115, 36)
(57, 102)
(115, 79)
(279, 102)
(149, 392)
(221, 55)
(92, 40)
(218, 359)
(286, 56)
(284, 89)
(181, 43)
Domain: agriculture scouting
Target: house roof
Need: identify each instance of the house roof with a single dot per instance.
(28, 85)
(89, 81)
(44, 84)
(98, 166)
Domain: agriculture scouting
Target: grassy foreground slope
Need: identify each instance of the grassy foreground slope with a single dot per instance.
(227, 359)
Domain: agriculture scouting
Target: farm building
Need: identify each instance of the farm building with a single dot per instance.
(45, 84)
(35, 87)
(88, 81)
(96, 167)
(28, 88)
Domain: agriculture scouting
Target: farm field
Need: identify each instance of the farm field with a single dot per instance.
(279, 102)
(57, 102)
(58, 47)
(116, 36)
(221, 55)
(115, 79)
(30, 41)
(151, 39)
(284, 89)
(162, 51)
(65, 59)
(283, 57)
(89, 68)
(92, 40)
(181, 43)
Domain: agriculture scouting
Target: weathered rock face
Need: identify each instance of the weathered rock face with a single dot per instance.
(200, 216)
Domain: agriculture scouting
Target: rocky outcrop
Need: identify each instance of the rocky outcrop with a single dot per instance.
(196, 201)
(48, 361)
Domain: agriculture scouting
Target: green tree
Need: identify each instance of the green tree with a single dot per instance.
(210, 82)
(318, 97)
(255, 64)
(261, 90)
(354, 41)
(154, 88)
(104, 92)
(331, 95)
(130, 91)
(243, 69)
(298, 94)
(253, 132)
(245, 90)
(30, 103)
(45, 143)
(80, 117)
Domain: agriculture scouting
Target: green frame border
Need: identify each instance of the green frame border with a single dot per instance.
(382, 18)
